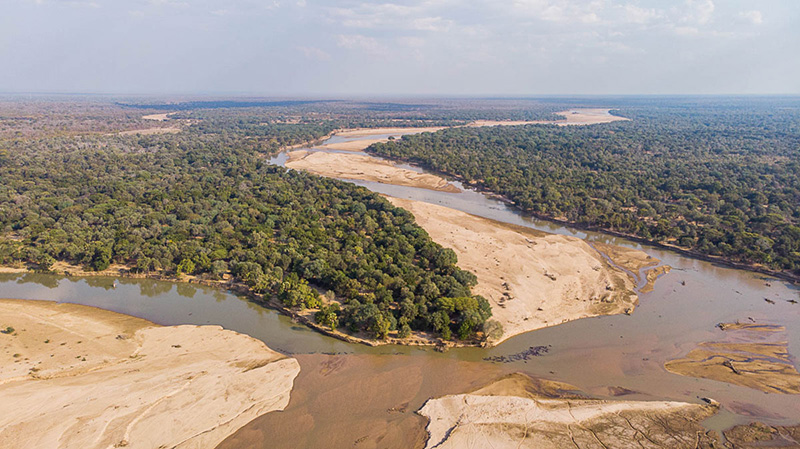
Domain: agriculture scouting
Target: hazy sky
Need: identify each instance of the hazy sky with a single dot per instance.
(444, 47)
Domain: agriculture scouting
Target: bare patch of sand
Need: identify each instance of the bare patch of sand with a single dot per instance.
(363, 132)
(73, 376)
(531, 279)
(365, 168)
(13, 269)
(579, 116)
(150, 131)
(503, 417)
(157, 117)
(589, 116)
(353, 145)
(751, 360)
(68, 269)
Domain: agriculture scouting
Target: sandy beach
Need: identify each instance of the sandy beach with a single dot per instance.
(531, 279)
(518, 412)
(73, 376)
(365, 168)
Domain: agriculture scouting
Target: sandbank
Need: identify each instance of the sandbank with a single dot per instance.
(73, 376)
(508, 414)
(634, 261)
(365, 168)
(578, 116)
(353, 145)
(752, 359)
(531, 279)
(363, 132)
(157, 117)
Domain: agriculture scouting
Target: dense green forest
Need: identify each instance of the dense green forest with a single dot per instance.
(204, 202)
(717, 176)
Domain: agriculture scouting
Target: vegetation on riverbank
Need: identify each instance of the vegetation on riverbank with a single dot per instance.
(204, 202)
(719, 180)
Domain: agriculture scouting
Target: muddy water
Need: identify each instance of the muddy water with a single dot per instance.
(357, 396)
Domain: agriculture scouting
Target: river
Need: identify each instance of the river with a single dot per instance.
(350, 394)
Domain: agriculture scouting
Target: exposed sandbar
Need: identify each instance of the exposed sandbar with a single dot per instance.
(579, 116)
(363, 132)
(365, 168)
(157, 117)
(751, 360)
(531, 279)
(511, 415)
(353, 145)
(635, 261)
(73, 376)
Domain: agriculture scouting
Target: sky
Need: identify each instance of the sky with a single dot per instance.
(415, 47)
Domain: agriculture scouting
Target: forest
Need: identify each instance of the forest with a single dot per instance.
(204, 203)
(715, 176)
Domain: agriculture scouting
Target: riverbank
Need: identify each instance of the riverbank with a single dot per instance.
(77, 376)
(720, 260)
(530, 278)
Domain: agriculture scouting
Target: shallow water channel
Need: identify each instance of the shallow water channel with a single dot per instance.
(351, 394)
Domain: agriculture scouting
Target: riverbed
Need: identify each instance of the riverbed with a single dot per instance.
(348, 394)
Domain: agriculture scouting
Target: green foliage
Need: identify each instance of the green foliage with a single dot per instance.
(328, 316)
(205, 202)
(716, 176)
(186, 266)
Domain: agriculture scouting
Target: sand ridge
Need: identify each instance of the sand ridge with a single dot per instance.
(531, 279)
(365, 168)
(73, 376)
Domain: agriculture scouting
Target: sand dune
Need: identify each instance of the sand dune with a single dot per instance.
(78, 377)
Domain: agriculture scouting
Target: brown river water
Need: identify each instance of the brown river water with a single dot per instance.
(350, 395)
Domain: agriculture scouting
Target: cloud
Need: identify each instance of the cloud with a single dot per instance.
(561, 11)
(699, 11)
(359, 42)
(753, 17)
(315, 53)
(635, 14)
